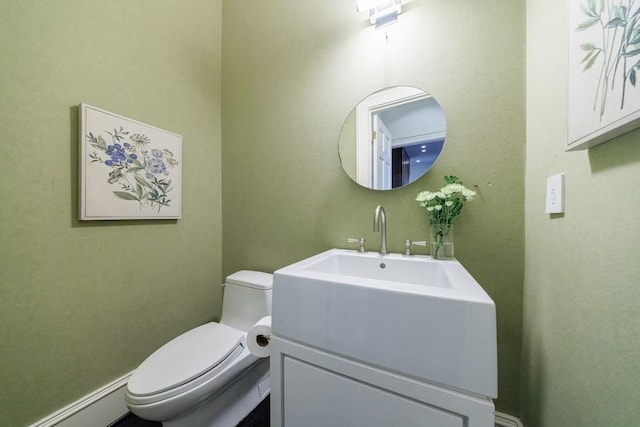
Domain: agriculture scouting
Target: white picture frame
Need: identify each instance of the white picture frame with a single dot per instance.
(603, 71)
(128, 169)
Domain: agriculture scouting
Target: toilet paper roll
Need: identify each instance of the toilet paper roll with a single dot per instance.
(258, 337)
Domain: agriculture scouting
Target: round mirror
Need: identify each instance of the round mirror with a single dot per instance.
(392, 137)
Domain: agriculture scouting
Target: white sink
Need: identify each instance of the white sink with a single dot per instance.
(393, 268)
(416, 316)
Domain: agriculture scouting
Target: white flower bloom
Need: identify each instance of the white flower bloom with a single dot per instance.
(439, 204)
(455, 188)
(140, 141)
(425, 196)
(447, 190)
(469, 194)
(422, 196)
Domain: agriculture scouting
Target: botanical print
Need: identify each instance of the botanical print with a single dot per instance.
(615, 48)
(141, 173)
(128, 169)
(603, 70)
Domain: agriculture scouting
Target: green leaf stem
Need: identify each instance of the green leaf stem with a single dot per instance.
(618, 25)
(124, 195)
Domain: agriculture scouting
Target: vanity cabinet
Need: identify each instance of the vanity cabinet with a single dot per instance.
(371, 340)
(314, 388)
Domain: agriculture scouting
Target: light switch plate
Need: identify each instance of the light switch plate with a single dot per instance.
(555, 194)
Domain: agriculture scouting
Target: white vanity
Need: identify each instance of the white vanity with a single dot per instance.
(370, 340)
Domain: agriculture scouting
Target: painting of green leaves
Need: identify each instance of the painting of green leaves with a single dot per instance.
(128, 170)
(604, 70)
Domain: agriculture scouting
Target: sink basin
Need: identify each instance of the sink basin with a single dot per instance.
(393, 268)
(423, 318)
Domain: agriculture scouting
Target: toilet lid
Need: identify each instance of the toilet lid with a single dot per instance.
(251, 279)
(184, 358)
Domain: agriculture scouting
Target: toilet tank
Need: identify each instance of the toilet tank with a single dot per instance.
(246, 299)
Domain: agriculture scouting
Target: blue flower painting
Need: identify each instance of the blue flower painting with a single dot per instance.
(129, 170)
(140, 173)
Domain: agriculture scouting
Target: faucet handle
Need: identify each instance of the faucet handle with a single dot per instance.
(407, 246)
(360, 240)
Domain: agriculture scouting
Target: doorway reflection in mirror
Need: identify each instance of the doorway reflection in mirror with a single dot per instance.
(392, 137)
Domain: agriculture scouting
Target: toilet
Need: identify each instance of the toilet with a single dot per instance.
(207, 377)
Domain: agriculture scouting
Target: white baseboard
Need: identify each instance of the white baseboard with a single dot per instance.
(99, 408)
(106, 405)
(504, 420)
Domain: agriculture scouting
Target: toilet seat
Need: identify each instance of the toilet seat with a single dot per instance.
(185, 362)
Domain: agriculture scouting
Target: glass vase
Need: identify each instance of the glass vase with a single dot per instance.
(441, 240)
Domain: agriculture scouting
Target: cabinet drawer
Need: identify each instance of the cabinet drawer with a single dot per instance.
(317, 397)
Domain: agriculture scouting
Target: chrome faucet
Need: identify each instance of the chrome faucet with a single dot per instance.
(380, 224)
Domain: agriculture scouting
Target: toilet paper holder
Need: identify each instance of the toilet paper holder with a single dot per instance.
(263, 340)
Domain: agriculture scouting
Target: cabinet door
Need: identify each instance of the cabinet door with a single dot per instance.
(316, 397)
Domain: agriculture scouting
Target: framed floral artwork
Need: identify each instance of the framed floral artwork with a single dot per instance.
(604, 70)
(128, 169)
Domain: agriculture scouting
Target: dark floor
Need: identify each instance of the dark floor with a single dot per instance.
(258, 418)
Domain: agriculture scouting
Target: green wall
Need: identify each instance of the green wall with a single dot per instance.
(291, 75)
(83, 303)
(581, 315)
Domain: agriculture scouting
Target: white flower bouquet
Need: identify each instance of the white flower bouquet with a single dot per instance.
(443, 207)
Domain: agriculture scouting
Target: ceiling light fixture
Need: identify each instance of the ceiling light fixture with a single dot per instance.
(381, 12)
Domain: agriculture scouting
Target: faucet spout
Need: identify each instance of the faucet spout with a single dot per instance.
(380, 224)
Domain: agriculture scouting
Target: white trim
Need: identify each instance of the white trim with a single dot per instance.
(374, 103)
(106, 405)
(101, 407)
(504, 420)
(425, 138)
